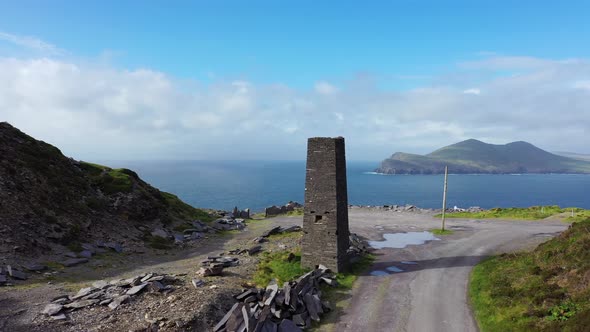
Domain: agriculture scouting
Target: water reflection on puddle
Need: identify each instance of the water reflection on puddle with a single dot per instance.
(394, 269)
(402, 240)
(379, 273)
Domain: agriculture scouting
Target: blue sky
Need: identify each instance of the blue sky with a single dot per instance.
(393, 63)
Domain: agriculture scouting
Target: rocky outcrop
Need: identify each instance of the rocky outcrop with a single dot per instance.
(48, 200)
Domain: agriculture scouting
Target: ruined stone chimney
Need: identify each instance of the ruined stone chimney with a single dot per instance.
(325, 220)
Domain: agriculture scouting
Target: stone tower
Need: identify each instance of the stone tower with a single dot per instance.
(325, 220)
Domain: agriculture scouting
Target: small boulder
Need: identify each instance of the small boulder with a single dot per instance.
(52, 309)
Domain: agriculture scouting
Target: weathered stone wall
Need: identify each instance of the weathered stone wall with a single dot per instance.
(325, 220)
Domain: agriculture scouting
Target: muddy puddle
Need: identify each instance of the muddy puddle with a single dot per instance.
(402, 240)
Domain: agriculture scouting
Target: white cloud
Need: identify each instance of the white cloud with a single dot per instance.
(582, 85)
(31, 43)
(472, 91)
(97, 112)
(325, 88)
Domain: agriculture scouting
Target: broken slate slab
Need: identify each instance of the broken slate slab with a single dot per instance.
(118, 301)
(35, 267)
(198, 283)
(58, 317)
(210, 271)
(83, 292)
(225, 318)
(254, 250)
(81, 304)
(2, 279)
(85, 254)
(52, 309)
(115, 246)
(136, 289)
(74, 261)
(16, 274)
(288, 325)
(156, 286)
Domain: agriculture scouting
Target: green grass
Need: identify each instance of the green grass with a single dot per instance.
(438, 231)
(110, 181)
(295, 212)
(184, 210)
(288, 235)
(158, 242)
(277, 266)
(543, 290)
(530, 213)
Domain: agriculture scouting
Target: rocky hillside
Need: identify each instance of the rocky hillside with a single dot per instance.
(474, 157)
(48, 201)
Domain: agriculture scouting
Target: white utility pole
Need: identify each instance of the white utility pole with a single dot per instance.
(445, 198)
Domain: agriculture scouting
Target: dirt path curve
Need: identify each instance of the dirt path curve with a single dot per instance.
(430, 295)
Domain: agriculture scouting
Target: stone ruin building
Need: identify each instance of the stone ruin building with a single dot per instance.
(325, 220)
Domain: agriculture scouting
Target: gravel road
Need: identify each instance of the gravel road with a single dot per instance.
(430, 295)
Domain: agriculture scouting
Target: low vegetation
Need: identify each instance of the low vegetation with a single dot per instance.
(544, 290)
(282, 266)
(110, 181)
(529, 213)
(295, 212)
(438, 231)
(184, 210)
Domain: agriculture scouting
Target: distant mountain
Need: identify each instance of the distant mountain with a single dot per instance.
(579, 156)
(475, 157)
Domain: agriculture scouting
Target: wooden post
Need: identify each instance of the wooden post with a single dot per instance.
(445, 198)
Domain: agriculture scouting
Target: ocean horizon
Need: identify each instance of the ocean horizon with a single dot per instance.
(259, 184)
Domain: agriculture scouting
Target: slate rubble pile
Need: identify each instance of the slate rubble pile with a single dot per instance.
(109, 293)
(9, 273)
(415, 209)
(289, 308)
(274, 210)
(214, 265)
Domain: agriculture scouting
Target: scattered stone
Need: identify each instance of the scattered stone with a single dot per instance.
(59, 317)
(74, 261)
(16, 274)
(254, 250)
(210, 271)
(114, 246)
(156, 286)
(118, 301)
(81, 304)
(52, 309)
(274, 230)
(35, 267)
(85, 254)
(105, 302)
(70, 255)
(136, 289)
(82, 292)
(198, 283)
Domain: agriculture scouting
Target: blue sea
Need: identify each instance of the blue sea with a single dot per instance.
(258, 184)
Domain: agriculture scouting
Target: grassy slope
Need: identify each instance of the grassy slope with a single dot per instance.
(530, 213)
(544, 290)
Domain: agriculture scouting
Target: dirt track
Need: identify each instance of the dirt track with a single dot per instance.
(432, 294)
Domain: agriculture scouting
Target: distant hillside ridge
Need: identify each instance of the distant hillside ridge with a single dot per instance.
(48, 200)
(476, 157)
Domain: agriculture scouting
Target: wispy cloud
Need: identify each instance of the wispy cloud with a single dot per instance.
(32, 43)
